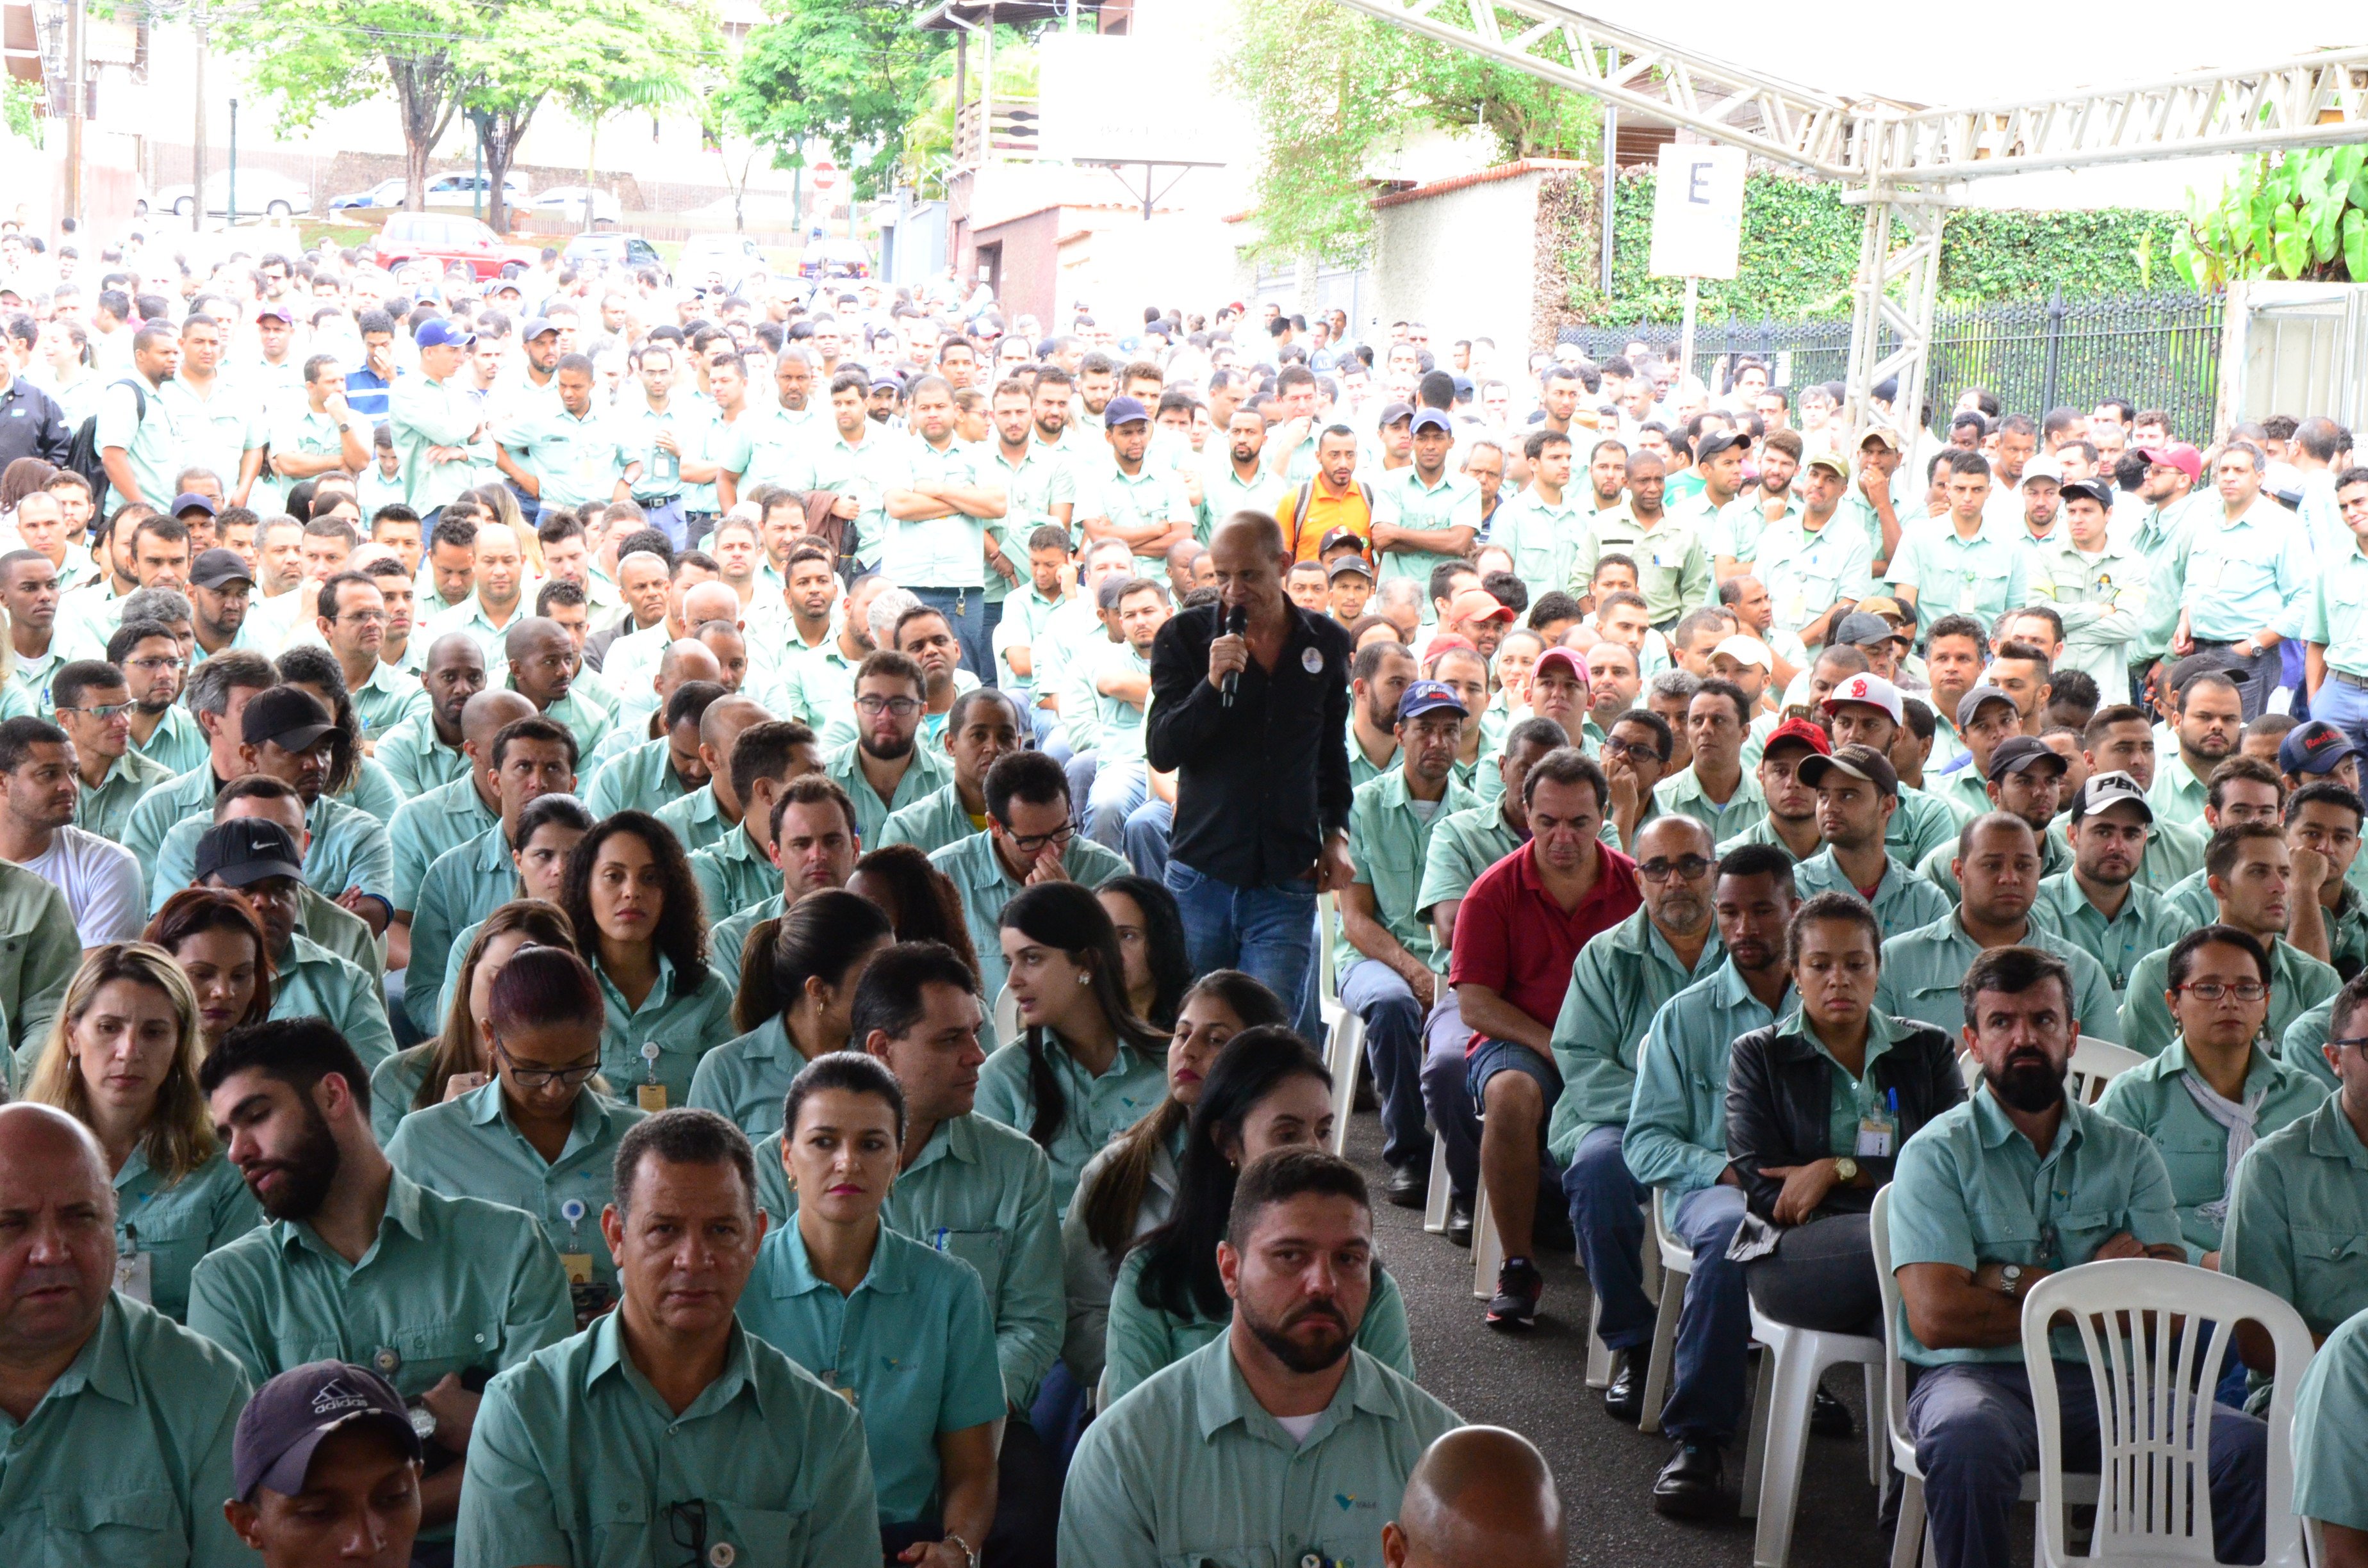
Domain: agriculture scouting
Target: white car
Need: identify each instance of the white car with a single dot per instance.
(566, 201)
(730, 259)
(260, 193)
(472, 191)
(385, 193)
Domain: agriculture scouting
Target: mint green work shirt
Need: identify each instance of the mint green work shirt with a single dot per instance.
(2335, 611)
(2160, 540)
(189, 794)
(1921, 969)
(1389, 848)
(1969, 1189)
(1038, 482)
(107, 809)
(428, 827)
(1682, 794)
(727, 939)
(2153, 1099)
(1099, 1105)
(578, 1460)
(176, 741)
(770, 445)
(983, 1193)
(2174, 851)
(2303, 1043)
(2298, 1217)
(462, 886)
(2331, 1411)
(341, 931)
(1153, 497)
(149, 437)
(423, 413)
(912, 1350)
(176, 1223)
(1402, 500)
(745, 1078)
(2297, 984)
(1462, 844)
(126, 1461)
(40, 951)
(470, 1147)
(682, 1020)
(2055, 858)
(349, 849)
(1189, 1469)
(2103, 598)
(928, 770)
(2147, 922)
(1672, 557)
(733, 873)
(639, 779)
(1902, 901)
(586, 711)
(947, 551)
(574, 459)
(1923, 823)
(864, 471)
(1544, 539)
(394, 1083)
(416, 760)
(216, 431)
(696, 819)
(634, 430)
(2178, 795)
(1120, 720)
(1952, 575)
(931, 822)
(1143, 1340)
(387, 698)
(470, 619)
(1618, 982)
(309, 981)
(1676, 1137)
(986, 885)
(2246, 575)
(1807, 571)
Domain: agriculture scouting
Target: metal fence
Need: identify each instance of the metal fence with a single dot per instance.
(2157, 350)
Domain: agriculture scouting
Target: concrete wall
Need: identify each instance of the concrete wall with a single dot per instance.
(1467, 256)
(1030, 263)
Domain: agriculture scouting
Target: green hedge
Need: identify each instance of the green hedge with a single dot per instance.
(1800, 254)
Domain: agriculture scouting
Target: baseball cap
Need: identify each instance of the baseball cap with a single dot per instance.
(1871, 689)
(290, 1415)
(1123, 411)
(1717, 441)
(1833, 462)
(294, 718)
(2016, 753)
(245, 850)
(1431, 419)
(1351, 565)
(2104, 790)
(2095, 489)
(441, 334)
(2177, 455)
(1859, 629)
(2314, 747)
(266, 311)
(1884, 434)
(535, 327)
(1423, 697)
(1567, 657)
(1799, 730)
(190, 501)
(1883, 606)
(1855, 762)
(216, 567)
(1971, 703)
(1393, 412)
(1745, 651)
(2043, 468)
(1477, 604)
(1336, 537)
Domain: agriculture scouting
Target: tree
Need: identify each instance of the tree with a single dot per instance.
(1329, 87)
(850, 73)
(2297, 215)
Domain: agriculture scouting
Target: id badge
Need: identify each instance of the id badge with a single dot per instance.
(578, 1266)
(135, 1275)
(650, 1097)
(1874, 1137)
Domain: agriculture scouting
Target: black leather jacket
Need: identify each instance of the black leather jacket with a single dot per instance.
(1779, 1090)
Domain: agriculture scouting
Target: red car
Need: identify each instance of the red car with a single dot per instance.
(441, 239)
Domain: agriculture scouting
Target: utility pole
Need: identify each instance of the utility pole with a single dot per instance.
(75, 102)
(198, 151)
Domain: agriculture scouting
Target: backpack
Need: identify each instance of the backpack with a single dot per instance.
(1306, 492)
(82, 448)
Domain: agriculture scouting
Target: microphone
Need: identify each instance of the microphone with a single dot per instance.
(1236, 622)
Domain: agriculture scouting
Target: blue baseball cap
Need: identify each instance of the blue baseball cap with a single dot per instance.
(1428, 697)
(1123, 411)
(1430, 419)
(442, 334)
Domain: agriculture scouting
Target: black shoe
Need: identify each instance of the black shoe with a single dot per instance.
(1688, 1486)
(1551, 1232)
(1410, 1183)
(1459, 1222)
(1518, 1286)
(1829, 1418)
(1624, 1400)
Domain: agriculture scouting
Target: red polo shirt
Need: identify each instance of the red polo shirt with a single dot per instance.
(1511, 937)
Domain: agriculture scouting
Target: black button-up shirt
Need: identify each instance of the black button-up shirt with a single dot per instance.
(1259, 785)
(32, 424)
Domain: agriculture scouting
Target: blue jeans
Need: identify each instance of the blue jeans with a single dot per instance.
(1447, 1094)
(1269, 932)
(1117, 790)
(965, 611)
(1610, 1227)
(1380, 996)
(1147, 827)
(1708, 1379)
(2345, 707)
(666, 517)
(1977, 1433)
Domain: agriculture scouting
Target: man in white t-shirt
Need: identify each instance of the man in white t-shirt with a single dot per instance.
(99, 880)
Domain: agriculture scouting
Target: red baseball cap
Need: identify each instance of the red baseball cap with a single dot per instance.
(1799, 730)
(1565, 657)
(2177, 455)
(1477, 604)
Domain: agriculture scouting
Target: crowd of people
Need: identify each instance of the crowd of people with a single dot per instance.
(652, 925)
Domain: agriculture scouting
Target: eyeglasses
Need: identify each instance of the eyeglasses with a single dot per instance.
(1031, 843)
(873, 707)
(111, 710)
(2359, 1039)
(1614, 746)
(686, 1522)
(2213, 989)
(1691, 867)
(543, 1077)
(365, 616)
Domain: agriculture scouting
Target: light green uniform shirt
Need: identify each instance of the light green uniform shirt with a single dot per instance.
(1950, 576)
(1153, 497)
(937, 553)
(430, 825)
(578, 1460)
(2335, 611)
(393, 1083)
(415, 759)
(682, 1022)
(745, 1078)
(913, 1350)
(1462, 844)
(727, 938)
(1682, 793)
(1389, 848)
(2178, 795)
(1097, 1106)
(349, 849)
(1806, 572)
(2304, 1044)
(1190, 1469)
(424, 414)
(176, 1223)
(1118, 721)
(929, 770)
(1922, 968)
(2146, 923)
(2154, 1100)
(150, 441)
(386, 700)
(127, 1457)
(1902, 901)
(215, 431)
(2298, 1217)
(2102, 599)
(40, 951)
(733, 873)
(309, 981)
(771, 445)
(1145, 1340)
(931, 822)
(696, 819)
(2330, 1409)
(463, 885)
(639, 779)
(107, 810)
(1676, 1117)
(1544, 537)
(634, 429)
(572, 459)
(1969, 1189)
(979, 875)
(1618, 982)
(2161, 538)
(2174, 851)
(176, 741)
(1400, 497)
(2297, 984)
(2055, 858)
(1672, 558)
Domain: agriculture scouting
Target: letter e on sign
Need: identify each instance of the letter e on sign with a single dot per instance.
(1697, 211)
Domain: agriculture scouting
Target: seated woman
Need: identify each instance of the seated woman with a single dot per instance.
(903, 1330)
(1151, 941)
(793, 1007)
(549, 828)
(1817, 1106)
(218, 942)
(1128, 1189)
(455, 1063)
(920, 900)
(538, 1137)
(1265, 1091)
(123, 1060)
(1085, 1068)
(639, 923)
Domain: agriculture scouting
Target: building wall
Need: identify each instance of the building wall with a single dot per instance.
(1031, 266)
(1460, 257)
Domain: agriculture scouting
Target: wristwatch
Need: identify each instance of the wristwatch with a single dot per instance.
(2009, 1276)
(1845, 1170)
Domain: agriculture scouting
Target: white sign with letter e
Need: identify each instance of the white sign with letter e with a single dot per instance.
(1697, 210)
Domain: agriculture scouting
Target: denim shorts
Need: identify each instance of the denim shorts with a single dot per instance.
(1491, 1057)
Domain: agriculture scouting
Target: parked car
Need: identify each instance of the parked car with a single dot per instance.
(441, 239)
(261, 193)
(728, 259)
(567, 202)
(385, 193)
(835, 258)
(473, 191)
(630, 252)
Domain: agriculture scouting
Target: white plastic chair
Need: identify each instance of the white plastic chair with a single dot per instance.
(1487, 1246)
(1344, 1032)
(1791, 1363)
(1441, 1197)
(1676, 1267)
(2095, 1064)
(2154, 1387)
(1006, 1017)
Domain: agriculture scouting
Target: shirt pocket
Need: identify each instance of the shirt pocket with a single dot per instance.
(2004, 1235)
(757, 1536)
(2080, 1231)
(1255, 1555)
(140, 1529)
(983, 1250)
(432, 1350)
(2198, 1163)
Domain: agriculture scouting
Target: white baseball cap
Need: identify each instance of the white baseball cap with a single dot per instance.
(1745, 651)
(1871, 689)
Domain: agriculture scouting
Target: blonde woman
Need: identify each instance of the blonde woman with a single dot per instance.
(122, 1059)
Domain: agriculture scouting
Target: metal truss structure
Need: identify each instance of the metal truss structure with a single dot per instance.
(1903, 161)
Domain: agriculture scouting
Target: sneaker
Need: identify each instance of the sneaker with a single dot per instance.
(1518, 1286)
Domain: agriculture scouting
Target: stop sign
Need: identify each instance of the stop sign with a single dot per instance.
(826, 175)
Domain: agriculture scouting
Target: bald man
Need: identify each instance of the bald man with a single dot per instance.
(691, 604)
(1479, 1495)
(423, 750)
(137, 1415)
(450, 814)
(544, 665)
(706, 814)
(636, 721)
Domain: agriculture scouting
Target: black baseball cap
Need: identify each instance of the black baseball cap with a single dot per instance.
(190, 501)
(293, 717)
(290, 1415)
(216, 567)
(1717, 441)
(2017, 753)
(1856, 762)
(247, 850)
